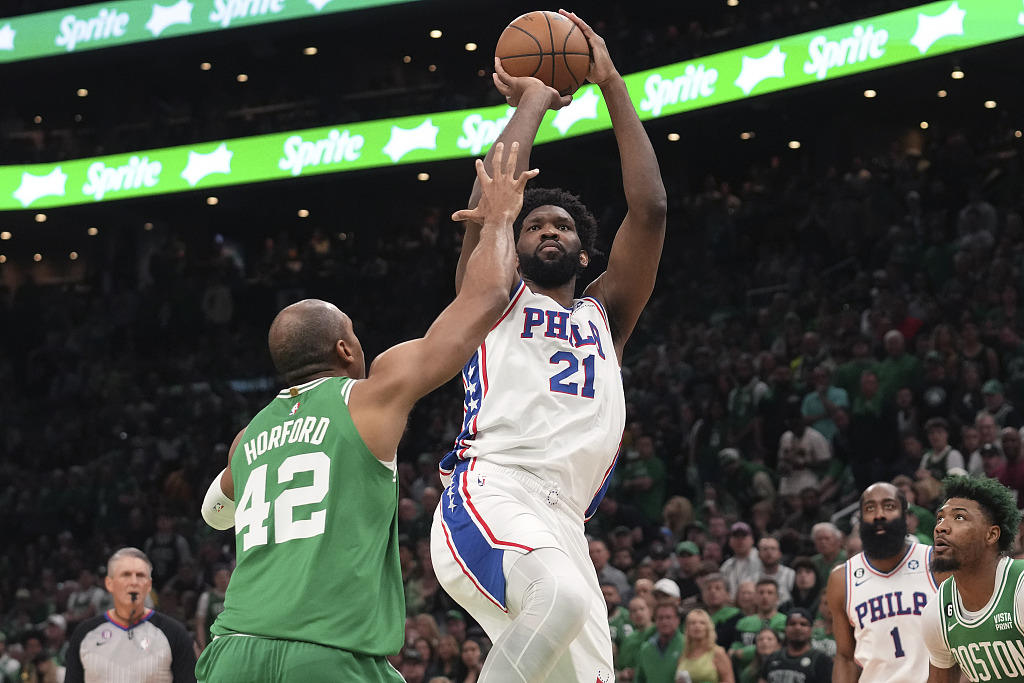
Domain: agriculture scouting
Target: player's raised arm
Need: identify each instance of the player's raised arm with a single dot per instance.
(404, 373)
(844, 669)
(532, 99)
(626, 285)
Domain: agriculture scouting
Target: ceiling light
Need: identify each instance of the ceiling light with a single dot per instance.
(38, 119)
(794, 144)
(432, 68)
(673, 137)
(422, 177)
(37, 257)
(924, 125)
(82, 92)
(310, 51)
(870, 93)
(435, 33)
(957, 74)
(990, 104)
(212, 201)
(470, 47)
(942, 93)
(3, 258)
(93, 231)
(73, 256)
(147, 226)
(5, 235)
(303, 213)
(242, 78)
(407, 59)
(206, 66)
(732, 3)
(747, 135)
(40, 218)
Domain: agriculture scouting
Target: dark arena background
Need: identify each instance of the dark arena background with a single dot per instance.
(804, 225)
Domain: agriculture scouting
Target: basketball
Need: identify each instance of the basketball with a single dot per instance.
(547, 46)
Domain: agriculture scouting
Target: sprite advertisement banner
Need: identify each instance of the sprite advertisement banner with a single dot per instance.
(134, 21)
(874, 43)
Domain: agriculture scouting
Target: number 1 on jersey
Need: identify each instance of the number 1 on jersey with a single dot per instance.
(895, 633)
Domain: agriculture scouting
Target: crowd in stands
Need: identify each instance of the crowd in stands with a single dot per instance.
(814, 329)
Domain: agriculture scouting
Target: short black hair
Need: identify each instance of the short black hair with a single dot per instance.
(586, 224)
(994, 499)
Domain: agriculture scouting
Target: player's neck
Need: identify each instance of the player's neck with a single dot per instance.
(564, 294)
(976, 583)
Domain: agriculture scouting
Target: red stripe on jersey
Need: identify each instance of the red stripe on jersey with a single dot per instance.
(479, 518)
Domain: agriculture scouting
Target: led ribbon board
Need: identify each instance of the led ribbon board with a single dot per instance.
(102, 25)
(804, 59)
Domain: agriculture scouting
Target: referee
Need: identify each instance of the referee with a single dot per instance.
(130, 643)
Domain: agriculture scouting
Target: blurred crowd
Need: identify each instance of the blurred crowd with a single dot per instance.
(816, 327)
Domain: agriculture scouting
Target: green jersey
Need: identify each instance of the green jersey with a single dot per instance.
(989, 647)
(316, 528)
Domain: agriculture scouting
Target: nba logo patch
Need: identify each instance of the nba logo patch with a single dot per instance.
(295, 408)
(481, 480)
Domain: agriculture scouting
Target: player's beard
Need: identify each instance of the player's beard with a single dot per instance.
(550, 272)
(887, 544)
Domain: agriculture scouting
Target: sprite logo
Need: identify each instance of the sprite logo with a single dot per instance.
(108, 23)
(864, 44)
(226, 10)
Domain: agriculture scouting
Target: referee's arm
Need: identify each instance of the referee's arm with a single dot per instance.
(74, 673)
(183, 653)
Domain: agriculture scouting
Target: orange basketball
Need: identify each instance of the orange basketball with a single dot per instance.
(547, 46)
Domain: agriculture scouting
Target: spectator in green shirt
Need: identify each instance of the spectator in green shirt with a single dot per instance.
(656, 662)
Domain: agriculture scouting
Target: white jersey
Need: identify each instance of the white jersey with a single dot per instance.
(544, 394)
(887, 613)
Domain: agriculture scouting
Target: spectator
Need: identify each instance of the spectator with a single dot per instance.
(744, 407)
(898, 369)
(1011, 475)
(797, 661)
(85, 602)
(167, 547)
(703, 659)
(807, 586)
(767, 643)
(688, 556)
(1002, 411)
(766, 615)
(744, 565)
(606, 573)
(745, 482)
(821, 402)
(211, 603)
(872, 433)
(770, 553)
(828, 541)
(941, 457)
(803, 455)
(659, 656)
(643, 628)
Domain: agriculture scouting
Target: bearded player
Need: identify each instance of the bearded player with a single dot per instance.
(883, 591)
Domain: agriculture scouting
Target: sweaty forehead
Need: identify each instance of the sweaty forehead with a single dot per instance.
(549, 212)
(879, 493)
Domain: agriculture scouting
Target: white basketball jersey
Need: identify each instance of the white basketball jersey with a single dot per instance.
(887, 614)
(544, 393)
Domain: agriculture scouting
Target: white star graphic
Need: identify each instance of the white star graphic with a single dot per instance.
(318, 4)
(471, 387)
(7, 37)
(931, 29)
(201, 165)
(34, 187)
(582, 107)
(473, 403)
(403, 141)
(472, 371)
(164, 17)
(756, 69)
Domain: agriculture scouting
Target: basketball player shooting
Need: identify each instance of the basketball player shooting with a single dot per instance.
(544, 407)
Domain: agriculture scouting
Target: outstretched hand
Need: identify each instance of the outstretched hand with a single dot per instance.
(514, 87)
(501, 192)
(601, 67)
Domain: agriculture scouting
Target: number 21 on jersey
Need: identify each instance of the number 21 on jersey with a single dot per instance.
(254, 509)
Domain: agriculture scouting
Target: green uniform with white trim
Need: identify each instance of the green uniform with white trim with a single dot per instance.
(991, 647)
(316, 534)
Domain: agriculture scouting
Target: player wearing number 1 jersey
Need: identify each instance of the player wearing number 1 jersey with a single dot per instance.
(882, 593)
(544, 409)
(317, 592)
